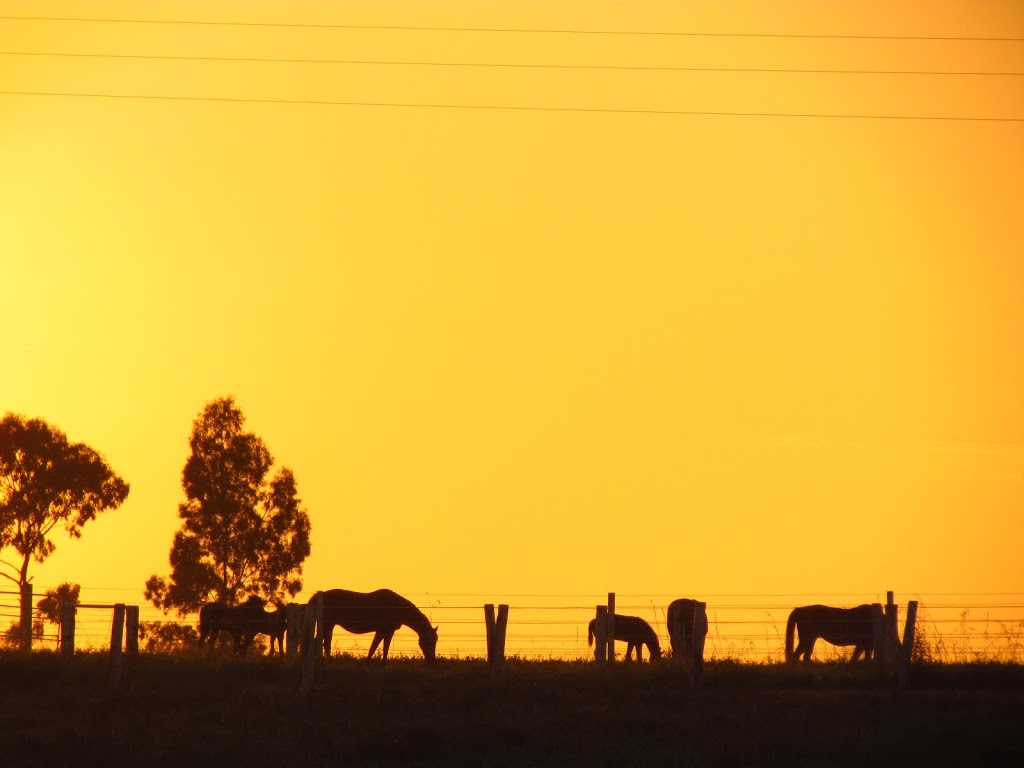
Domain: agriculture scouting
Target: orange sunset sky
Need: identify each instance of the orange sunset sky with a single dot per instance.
(537, 310)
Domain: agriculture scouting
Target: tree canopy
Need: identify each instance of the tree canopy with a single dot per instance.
(242, 531)
(46, 481)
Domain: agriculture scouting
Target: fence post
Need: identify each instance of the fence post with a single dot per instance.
(131, 630)
(311, 645)
(318, 617)
(700, 631)
(496, 635)
(296, 622)
(489, 628)
(26, 617)
(116, 635)
(878, 631)
(600, 633)
(907, 647)
(67, 629)
(500, 626)
(611, 627)
(892, 633)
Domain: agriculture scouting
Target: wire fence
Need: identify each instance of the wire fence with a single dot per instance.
(951, 628)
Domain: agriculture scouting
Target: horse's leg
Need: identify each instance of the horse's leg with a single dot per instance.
(328, 635)
(804, 648)
(387, 645)
(377, 637)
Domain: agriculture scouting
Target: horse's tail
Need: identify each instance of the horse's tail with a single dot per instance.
(790, 629)
(590, 632)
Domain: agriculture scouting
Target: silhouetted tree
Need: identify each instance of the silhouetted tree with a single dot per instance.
(167, 636)
(46, 481)
(49, 607)
(242, 533)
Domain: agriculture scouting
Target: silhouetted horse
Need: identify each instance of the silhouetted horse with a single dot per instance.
(381, 612)
(635, 632)
(681, 614)
(274, 625)
(243, 622)
(839, 626)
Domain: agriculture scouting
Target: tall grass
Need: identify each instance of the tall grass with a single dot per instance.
(968, 644)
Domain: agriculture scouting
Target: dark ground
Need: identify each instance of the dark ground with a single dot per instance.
(196, 710)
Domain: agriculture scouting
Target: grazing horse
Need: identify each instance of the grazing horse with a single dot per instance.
(243, 622)
(681, 615)
(381, 612)
(839, 626)
(635, 632)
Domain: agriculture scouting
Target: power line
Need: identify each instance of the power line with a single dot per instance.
(514, 108)
(516, 30)
(381, 62)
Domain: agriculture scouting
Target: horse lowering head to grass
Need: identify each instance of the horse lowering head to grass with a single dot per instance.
(635, 632)
(839, 626)
(381, 612)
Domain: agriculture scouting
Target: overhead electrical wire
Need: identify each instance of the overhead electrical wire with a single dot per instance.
(515, 30)
(517, 108)
(512, 65)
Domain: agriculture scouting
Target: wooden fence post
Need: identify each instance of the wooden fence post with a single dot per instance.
(26, 617)
(116, 640)
(600, 634)
(296, 623)
(67, 629)
(489, 622)
(878, 630)
(611, 628)
(500, 627)
(312, 644)
(318, 617)
(907, 647)
(892, 633)
(700, 631)
(495, 635)
(131, 630)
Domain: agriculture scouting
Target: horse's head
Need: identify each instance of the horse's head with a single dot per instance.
(255, 600)
(428, 644)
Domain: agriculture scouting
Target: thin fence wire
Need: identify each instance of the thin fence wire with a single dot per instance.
(751, 628)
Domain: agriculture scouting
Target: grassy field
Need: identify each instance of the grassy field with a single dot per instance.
(211, 709)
